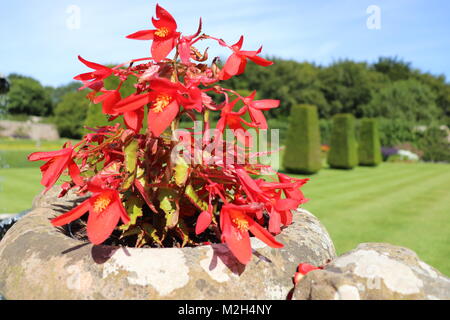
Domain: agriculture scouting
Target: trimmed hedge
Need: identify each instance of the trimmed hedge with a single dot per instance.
(303, 141)
(369, 148)
(343, 152)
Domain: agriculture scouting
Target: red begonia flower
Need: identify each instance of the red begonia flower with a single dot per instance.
(236, 63)
(57, 162)
(302, 270)
(235, 122)
(164, 36)
(184, 46)
(94, 79)
(109, 98)
(255, 109)
(293, 191)
(235, 224)
(105, 210)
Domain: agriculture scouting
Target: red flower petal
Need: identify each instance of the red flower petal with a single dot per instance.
(239, 244)
(123, 213)
(101, 224)
(161, 48)
(304, 268)
(238, 45)
(264, 235)
(109, 99)
(286, 217)
(92, 65)
(203, 222)
(72, 215)
(132, 102)
(261, 61)
(232, 65)
(275, 222)
(247, 180)
(265, 104)
(286, 204)
(74, 173)
(53, 171)
(258, 117)
(142, 35)
(165, 19)
(44, 156)
(133, 119)
(158, 122)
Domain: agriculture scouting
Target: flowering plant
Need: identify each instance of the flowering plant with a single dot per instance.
(167, 186)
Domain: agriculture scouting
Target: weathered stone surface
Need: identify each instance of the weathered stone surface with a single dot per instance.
(7, 222)
(28, 129)
(37, 261)
(50, 199)
(375, 271)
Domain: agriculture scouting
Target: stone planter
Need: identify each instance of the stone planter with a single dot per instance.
(38, 261)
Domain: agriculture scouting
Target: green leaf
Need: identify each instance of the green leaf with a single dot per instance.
(195, 199)
(151, 232)
(133, 205)
(181, 172)
(130, 152)
(133, 230)
(167, 203)
(183, 232)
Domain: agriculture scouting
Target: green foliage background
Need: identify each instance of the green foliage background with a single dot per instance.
(400, 97)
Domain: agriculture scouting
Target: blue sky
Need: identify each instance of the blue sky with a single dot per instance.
(36, 38)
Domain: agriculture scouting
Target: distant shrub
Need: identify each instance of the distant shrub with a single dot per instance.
(396, 131)
(434, 144)
(369, 147)
(303, 154)
(343, 147)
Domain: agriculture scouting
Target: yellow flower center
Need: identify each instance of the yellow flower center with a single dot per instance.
(239, 220)
(162, 32)
(162, 101)
(101, 203)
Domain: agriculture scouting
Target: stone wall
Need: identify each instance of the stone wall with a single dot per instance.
(28, 130)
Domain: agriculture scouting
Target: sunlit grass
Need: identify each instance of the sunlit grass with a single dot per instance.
(402, 204)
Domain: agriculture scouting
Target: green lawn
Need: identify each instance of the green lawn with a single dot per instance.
(18, 186)
(403, 204)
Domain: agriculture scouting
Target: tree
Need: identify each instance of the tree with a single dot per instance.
(405, 99)
(348, 85)
(303, 145)
(343, 152)
(285, 80)
(441, 89)
(70, 114)
(28, 96)
(369, 147)
(395, 68)
(56, 94)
